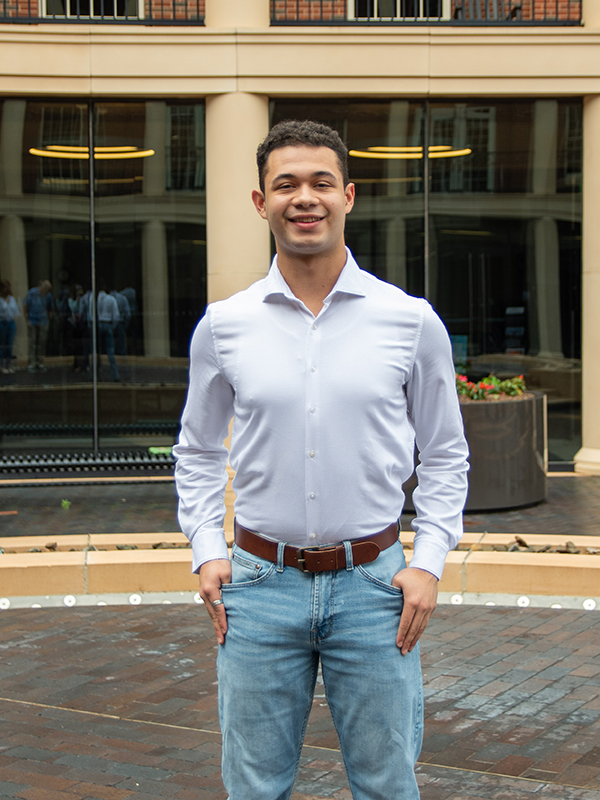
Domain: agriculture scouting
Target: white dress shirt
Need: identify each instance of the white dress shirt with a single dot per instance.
(107, 308)
(326, 410)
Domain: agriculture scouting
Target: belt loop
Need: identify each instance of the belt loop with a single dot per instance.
(349, 559)
(280, 552)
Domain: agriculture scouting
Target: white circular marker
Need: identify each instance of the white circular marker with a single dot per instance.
(490, 603)
(556, 605)
(523, 602)
(135, 599)
(100, 603)
(4, 603)
(456, 599)
(166, 603)
(589, 604)
(197, 598)
(36, 605)
(70, 600)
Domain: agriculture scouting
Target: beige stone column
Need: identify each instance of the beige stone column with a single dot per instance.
(588, 458)
(13, 256)
(547, 279)
(545, 231)
(238, 244)
(11, 147)
(155, 139)
(237, 14)
(13, 259)
(590, 13)
(155, 290)
(155, 268)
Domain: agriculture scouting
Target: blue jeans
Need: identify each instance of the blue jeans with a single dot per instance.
(5, 346)
(106, 343)
(281, 622)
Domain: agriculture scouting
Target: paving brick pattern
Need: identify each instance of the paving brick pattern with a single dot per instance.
(573, 507)
(108, 703)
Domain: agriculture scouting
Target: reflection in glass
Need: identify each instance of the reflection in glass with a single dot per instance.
(150, 253)
(150, 274)
(45, 399)
(505, 249)
(502, 260)
(386, 227)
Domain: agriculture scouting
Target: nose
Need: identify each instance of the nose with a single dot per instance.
(305, 195)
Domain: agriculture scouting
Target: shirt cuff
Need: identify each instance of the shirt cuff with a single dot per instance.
(208, 545)
(429, 555)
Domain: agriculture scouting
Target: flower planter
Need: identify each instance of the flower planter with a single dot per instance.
(508, 445)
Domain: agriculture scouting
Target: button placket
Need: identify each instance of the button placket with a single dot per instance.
(312, 431)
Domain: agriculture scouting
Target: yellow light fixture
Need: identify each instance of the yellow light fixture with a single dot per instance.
(382, 149)
(121, 149)
(58, 153)
(386, 156)
(83, 153)
(67, 148)
(113, 155)
(409, 153)
(451, 153)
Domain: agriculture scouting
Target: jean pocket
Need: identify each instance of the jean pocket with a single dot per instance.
(247, 569)
(386, 565)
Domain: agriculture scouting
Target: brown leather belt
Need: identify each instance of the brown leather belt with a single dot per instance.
(317, 559)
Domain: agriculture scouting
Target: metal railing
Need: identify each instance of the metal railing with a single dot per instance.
(425, 12)
(144, 12)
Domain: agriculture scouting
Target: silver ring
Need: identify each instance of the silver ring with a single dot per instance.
(216, 603)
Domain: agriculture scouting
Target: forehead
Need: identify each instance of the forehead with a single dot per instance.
(301, 159)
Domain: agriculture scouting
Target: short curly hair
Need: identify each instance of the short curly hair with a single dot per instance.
(296, 133)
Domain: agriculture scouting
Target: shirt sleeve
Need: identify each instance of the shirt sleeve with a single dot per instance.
(201, 456)
(442, 472)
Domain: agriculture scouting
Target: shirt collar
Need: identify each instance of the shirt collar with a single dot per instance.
(350, 281)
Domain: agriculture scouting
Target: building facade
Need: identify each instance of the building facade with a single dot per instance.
(472, 128)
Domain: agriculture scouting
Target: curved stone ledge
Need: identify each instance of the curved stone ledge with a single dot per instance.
(148, 569)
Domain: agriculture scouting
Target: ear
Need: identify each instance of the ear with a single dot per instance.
(350, 192)
(258, 198)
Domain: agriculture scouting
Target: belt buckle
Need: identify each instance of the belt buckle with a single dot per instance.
(300, 557)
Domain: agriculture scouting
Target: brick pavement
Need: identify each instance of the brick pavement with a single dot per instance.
(108, 703)
(573, 506)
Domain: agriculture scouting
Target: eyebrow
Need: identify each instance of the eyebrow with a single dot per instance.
(322, 173)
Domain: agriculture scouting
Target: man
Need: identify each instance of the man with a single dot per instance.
(108, 317)
(38, 308)
(329, 374)
(122, 324)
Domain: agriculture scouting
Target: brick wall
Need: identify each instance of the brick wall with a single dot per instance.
(153, 9)
(174, 9)
(525, 10)
(304, 10)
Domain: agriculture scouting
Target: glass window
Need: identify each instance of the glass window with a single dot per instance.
(496, 239)
(150, 270)
(386, 227)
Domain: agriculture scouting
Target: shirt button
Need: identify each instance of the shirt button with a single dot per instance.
(312, 454)
(315, 327)
(313, 368)
(312, 410)
(312, 495)
(313, 536)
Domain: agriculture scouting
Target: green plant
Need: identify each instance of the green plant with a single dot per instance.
(490, 388)
(66, 504)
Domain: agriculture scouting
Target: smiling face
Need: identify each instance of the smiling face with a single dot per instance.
(305, 201)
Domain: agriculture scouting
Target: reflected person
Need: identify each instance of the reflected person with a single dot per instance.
(38, 309)
(108, 317)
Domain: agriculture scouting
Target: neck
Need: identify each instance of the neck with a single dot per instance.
(311, 278)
